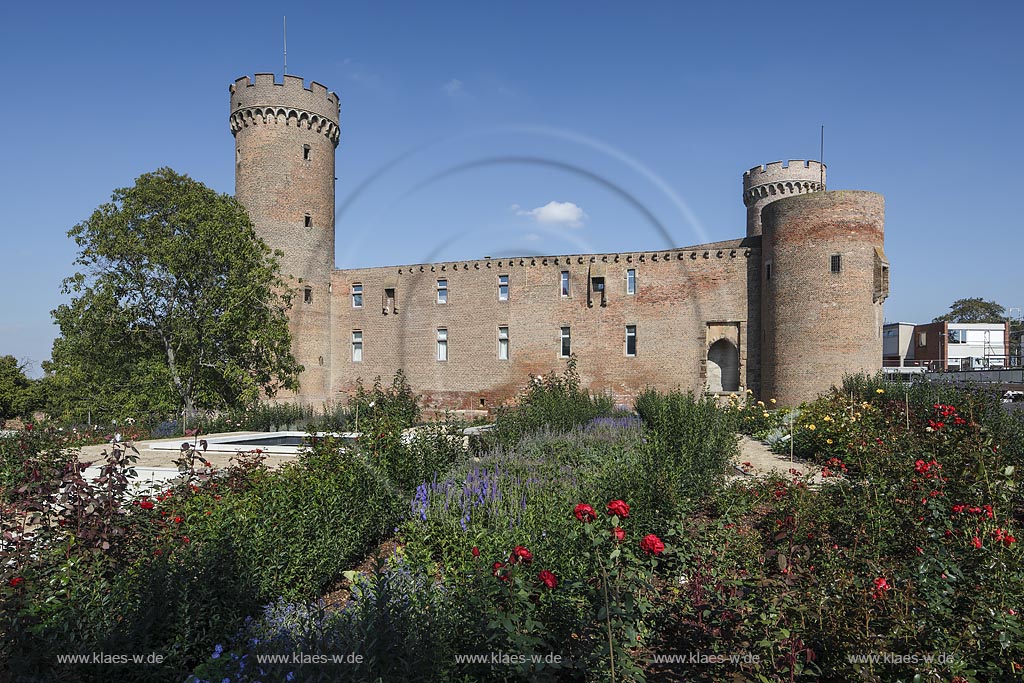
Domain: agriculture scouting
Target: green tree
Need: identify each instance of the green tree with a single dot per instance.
(180, 305)
(18, 393)
(975, 310)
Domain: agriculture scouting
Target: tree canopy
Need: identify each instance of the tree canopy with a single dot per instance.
(975, 310)
(178, 306)
(19, 394)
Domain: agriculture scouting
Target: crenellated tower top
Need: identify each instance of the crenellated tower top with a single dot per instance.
(264, 100)
(764, 184)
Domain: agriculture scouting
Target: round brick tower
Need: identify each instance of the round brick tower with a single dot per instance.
(763, 185)
(285, 137)
(824, 276)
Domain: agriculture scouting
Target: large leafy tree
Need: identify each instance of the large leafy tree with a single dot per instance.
(178, 305)
(19, 394)
(975, 310)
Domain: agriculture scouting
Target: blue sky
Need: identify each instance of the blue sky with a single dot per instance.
(668, 101)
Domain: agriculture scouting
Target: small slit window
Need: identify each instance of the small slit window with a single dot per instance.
(307, 221)
(631, 281)
(565, 283)
(305, 152)
(357, 346)
(503, 288)
(389, 300)
(442, 291)
(307, 295)
(442, 343)
(565, 347)
(631, 340)
(836, 263)
(768, 271)
(357, 295)
(502, 343)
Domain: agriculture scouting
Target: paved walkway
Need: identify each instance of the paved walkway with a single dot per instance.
(763, 461)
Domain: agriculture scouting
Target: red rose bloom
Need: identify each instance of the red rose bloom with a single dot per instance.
(548, 579)
(520, 553)
(618, 507)
(652, 545)
(177, 520)
(585, 513)
(496, 571)
(619, 534)
(475, 551)
(146, 504)
(976, 542)
(186, 539)
(18, 580)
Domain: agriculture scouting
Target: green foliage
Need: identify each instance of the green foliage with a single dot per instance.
(975, 310)
(692, 442)
(553, 402)
(19, 395)
(176, 307)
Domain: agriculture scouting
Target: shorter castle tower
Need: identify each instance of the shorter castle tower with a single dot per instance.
(285, 137)
(763, 185)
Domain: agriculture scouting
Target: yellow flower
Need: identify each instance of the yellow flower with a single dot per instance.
(857, 414)
(761, 403)
(879, 391)
(828, 441)
(811, 427)
(766, 413)
(772, 400)
(827, 418)
(750, 391)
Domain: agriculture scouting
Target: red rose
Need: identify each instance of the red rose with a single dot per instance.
(618, 507)
(18, 580)
(146, 504)
(475, 551)
(496, 571)
(652, 545)
(976, 542)
(177, 520)
(520, 553)
(185, 539)
(619, 534)
(585, 513)
(548, 579)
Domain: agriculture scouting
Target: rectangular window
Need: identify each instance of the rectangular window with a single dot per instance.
(566, 346)
(922, 339)
(442, 291)
(442, 343)
(307, 295)
(631, 281)
(305, 152)
(768, 271)
(357, 296)
(502, 343)
(307, 221)
(630, 340)
(357, 346)
(565, 283)
(958, 336)
(389, 300)
(837, 263)
(503, 288)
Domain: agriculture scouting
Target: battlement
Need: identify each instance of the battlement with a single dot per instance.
(779, 171)
(292, 93)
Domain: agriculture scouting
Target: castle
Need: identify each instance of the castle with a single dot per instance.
(785, 311)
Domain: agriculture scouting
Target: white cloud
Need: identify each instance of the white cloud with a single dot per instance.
(454, 87)
(532, 236)
(558, 213)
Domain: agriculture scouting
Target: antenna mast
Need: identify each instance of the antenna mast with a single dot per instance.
(286, 46)
(821, 159)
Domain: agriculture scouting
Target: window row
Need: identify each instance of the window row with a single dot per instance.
(596, 288)
(504, 341)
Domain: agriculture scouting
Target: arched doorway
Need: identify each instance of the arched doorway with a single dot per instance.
(723, 366)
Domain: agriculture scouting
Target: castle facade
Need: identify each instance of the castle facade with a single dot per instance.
(785, 311)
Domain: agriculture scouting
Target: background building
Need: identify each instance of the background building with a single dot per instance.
(947, 346)
(786, 310)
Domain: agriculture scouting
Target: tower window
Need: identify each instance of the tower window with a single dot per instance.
(357, 295)
(565, 349)
(502, 343)
(305, 152)
(630, 340)
(389, 300)
(596, 291)
(442, 343)
(565, 283)
(768, 271)
(442, 291)
(307, 295)
(357, 346)
(503, 288)
(307, 221)
(836, 263)
(631, 281)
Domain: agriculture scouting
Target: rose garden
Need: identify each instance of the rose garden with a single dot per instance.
(569, 542)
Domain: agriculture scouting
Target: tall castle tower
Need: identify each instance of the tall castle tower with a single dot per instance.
(285, 137)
